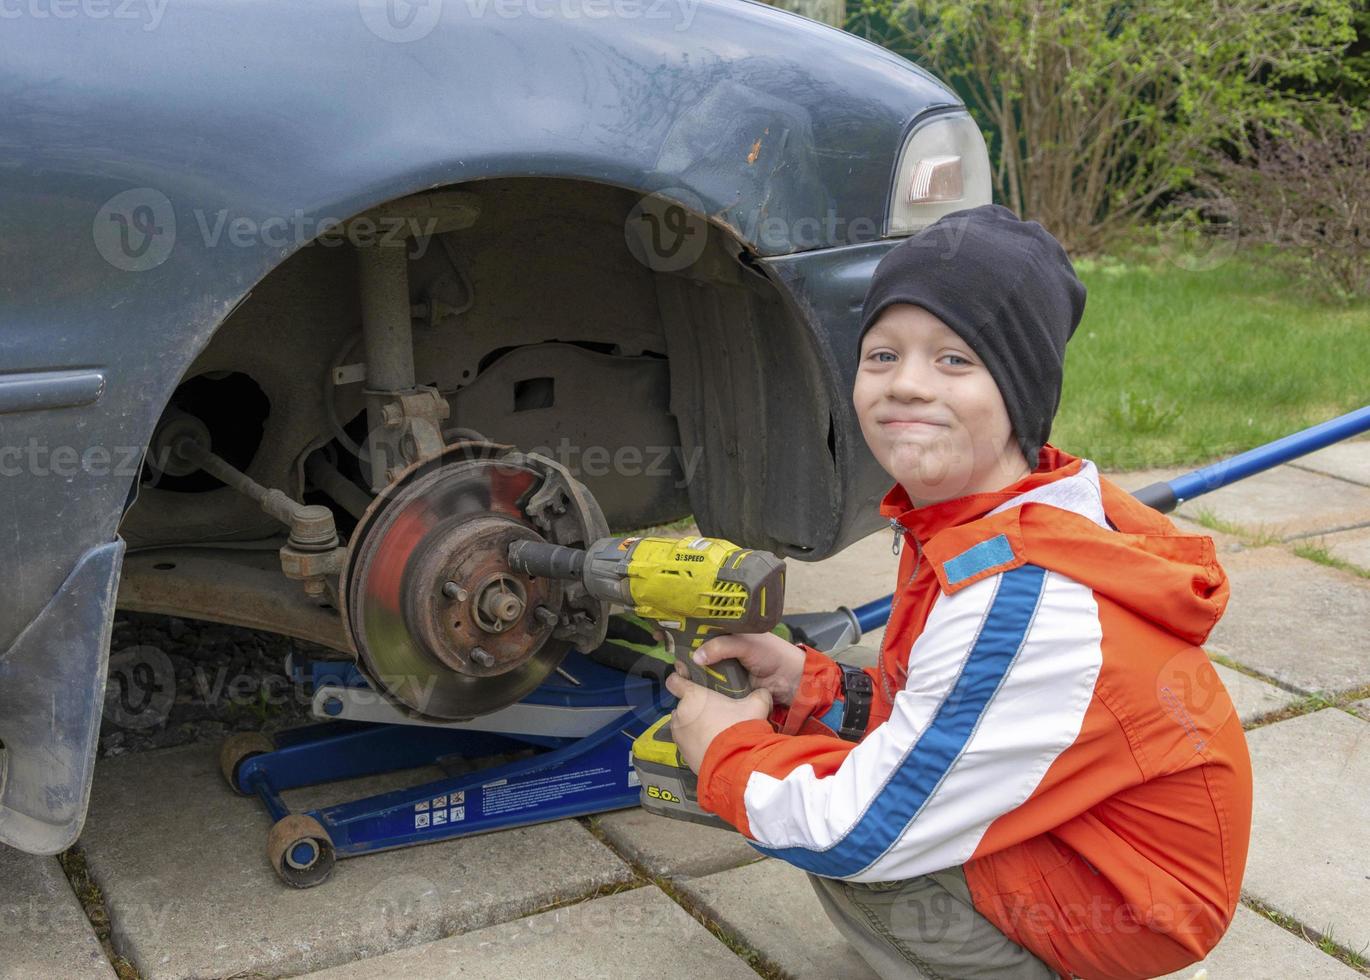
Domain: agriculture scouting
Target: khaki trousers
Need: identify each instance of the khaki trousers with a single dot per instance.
(924, 927)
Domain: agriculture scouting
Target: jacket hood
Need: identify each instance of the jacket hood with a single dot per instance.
(1067, 518)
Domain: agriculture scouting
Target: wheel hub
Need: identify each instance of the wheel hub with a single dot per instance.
(443, 627)
(484, 627)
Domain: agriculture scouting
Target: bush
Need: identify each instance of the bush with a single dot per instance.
(1304, 189)
(1098, 110)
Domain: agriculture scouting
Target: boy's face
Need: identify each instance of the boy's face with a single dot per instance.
(930, 410)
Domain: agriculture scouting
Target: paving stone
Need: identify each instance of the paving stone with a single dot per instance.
(1296, 621)
(1352, 546)
(861, 572)
(1251, 696)
(629, 935)
(865, 653)
(676, 849)
(1255, 947)
(43, 931)
(1310, 834)
(1347, 460)
(182, 864)
(770, 906)
(1286, 501)
(1361, 708)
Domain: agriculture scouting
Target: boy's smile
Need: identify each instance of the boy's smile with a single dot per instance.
(930, 410)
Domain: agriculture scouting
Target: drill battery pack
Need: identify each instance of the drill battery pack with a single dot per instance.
(669, 787)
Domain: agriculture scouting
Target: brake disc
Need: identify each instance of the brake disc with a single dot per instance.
(442, 626)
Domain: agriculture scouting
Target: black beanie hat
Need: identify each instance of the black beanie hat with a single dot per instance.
(1007, 288)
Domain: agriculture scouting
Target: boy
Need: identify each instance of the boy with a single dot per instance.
(1043, 776)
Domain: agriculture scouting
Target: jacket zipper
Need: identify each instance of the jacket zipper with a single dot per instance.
(899, 532)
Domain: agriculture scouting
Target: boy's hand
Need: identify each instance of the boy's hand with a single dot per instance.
(702, 714)
(776, 665)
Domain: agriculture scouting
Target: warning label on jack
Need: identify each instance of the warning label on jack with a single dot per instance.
(506, 797)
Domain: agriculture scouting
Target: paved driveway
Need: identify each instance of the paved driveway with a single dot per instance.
(181, 874)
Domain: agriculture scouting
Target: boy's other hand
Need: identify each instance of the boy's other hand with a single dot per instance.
(776, 665)
(702, 714)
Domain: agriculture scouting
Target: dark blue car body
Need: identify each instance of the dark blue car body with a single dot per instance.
(782, 134)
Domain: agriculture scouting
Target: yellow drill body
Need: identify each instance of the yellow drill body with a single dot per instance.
(694, 588)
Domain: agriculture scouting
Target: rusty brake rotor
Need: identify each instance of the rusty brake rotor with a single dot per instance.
(442, 626)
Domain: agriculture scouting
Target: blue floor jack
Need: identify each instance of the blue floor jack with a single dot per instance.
(576, 731)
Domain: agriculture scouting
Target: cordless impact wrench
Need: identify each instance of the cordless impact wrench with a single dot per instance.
(694, 588)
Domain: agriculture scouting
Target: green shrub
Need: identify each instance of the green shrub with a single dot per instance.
(1096, 110)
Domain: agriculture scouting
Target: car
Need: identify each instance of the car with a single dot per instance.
(273, 274)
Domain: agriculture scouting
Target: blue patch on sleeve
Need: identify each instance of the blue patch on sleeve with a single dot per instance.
(833, 718)
(973, 561)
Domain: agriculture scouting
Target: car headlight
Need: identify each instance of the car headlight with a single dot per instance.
(943, 167)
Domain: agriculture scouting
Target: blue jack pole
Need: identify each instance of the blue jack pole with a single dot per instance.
(1169, 494)
(874, 614)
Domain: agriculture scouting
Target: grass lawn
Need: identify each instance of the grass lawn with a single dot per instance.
(1171, 367)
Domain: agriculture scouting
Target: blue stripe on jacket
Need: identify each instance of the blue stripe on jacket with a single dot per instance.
(928, 760)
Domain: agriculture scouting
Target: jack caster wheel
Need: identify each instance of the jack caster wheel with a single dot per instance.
(300, 850)
(236, 750)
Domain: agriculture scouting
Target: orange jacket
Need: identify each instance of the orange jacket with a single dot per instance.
(1055, 728)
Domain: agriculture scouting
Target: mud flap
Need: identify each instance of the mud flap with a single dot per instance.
(52, 688)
